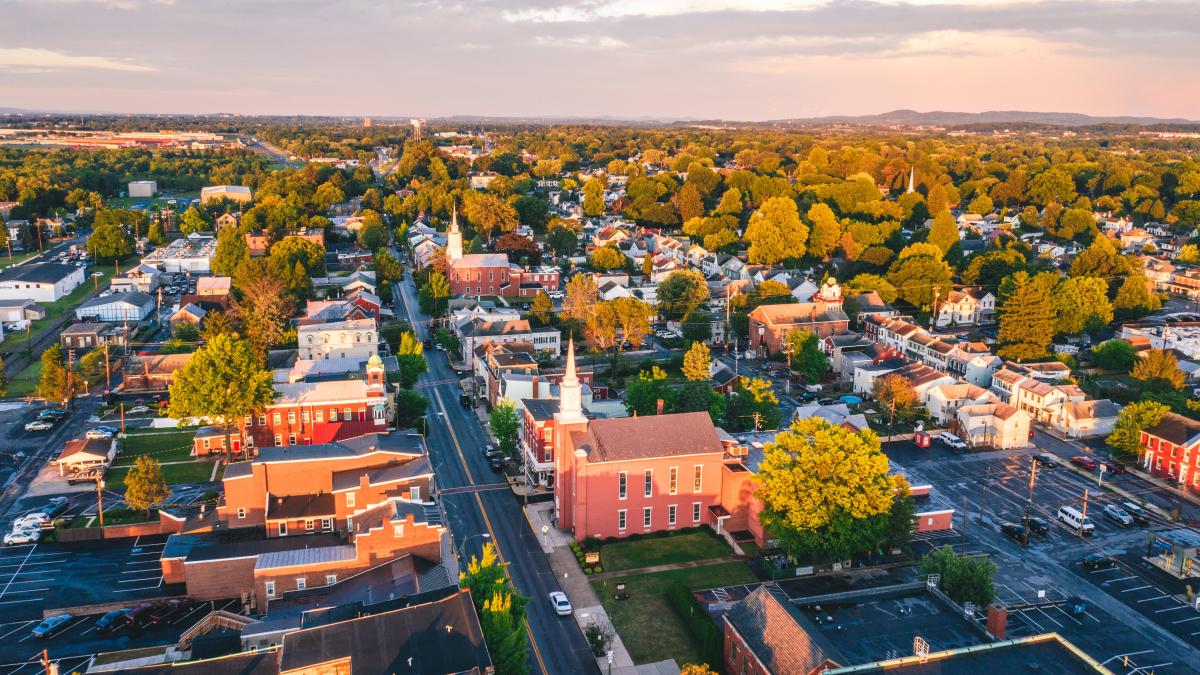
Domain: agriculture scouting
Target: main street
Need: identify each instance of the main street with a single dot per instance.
(482, 508)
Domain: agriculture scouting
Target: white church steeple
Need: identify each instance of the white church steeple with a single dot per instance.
(454, 242)
(570, 396)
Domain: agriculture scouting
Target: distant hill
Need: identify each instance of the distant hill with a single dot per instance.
(946, 119)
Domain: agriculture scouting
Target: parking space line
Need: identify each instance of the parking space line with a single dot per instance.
(1171, 609)
(1192, 618)
(1139, 588)
(1064, 613)
(134, 581)
(1157, 597)
(18, 602)
(19, 627)
(5, 591)
(139, 588)
(1113, 581)
(1118, 656)
(1039, 609)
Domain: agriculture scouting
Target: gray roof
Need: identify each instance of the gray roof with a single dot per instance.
(779, 634)
(306, 556)
(405, 444)
(344, 480)
(134, 298)
(38, 273)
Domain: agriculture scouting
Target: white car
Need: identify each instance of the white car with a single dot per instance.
(952, 440)
(562, 606)
(17, 537)
(39, 425)
(102, 434)
(30, 521)
(138, 410)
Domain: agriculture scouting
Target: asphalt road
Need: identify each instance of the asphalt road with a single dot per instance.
(482, 508)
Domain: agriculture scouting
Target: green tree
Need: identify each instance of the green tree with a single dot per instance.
(681, 292)
(109, 242)
(895, 395)
(54, 383)
(753, 405)
(192, 221)
(689, 202)
(231, 252)
(863, 283)
(1074, 223)
(410, 356)
(944, 231)
(593, 197)
(644, 391)
(3, 376)
(826, 490)
(608, 258)
(1134, 298)
(775, 232)
(826, 231)
(730, 204)
(433, 292)
(697, 327)
(223, 382)
(373, 236)
(963, 578)
(697, 363)
(1054, 185)
(145, 487)
(1026, 316)
(1100, 259)
(1158, 370)
(489, 214)
(698, 397)
(449, 341)
(916, 272)
(1126, 436)
(1081, 303)
(580, 298)
(806, 355)
(327, 195)
(154, 235)
(1188, 254)
(501, 612)
(562, 240)
(982, 205)
(1114, 356)
(505, 423)
(410, 407)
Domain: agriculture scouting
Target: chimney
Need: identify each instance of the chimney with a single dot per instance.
(997, 621)
(535, 387)
(659, 407)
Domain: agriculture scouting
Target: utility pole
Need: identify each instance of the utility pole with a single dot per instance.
(100, 501)
(787, 383)
(983, 493)
(107, 370)
(937, 292)
(122, 404)
(1029, 502)
(70, 377)
(1085, 501)
(965, 521)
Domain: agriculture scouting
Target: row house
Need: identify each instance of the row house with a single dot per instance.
(1171, 449)
(944, 400)
(480, 332)
(1064, 407)
(992, 425)
(971, 361)
(305, 413)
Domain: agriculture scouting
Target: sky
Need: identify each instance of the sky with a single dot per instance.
(662, 59)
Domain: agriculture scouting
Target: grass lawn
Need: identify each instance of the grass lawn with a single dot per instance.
(174, 474)
(25, 382)
(172, 446)
(646, 623)
(17, 258)
(684, 547)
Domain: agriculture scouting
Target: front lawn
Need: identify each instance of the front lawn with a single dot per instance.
(175, 474)
(701, 544)
(25, 382)
(649, 627)
(168, 446)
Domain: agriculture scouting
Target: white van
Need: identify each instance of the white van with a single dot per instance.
(1073, 518)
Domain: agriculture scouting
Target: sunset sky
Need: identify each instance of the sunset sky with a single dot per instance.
(674, 59)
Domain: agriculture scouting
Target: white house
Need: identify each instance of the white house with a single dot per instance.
(353, 338)
(993, 425)
(967, 307)
(81, 455)
(142, 279)
(945, 400)
(130, 307)
(1087, 419)
(42, 282)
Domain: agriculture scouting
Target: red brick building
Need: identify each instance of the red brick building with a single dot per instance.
(492, 274)
(299, 517)
(823, 316)
(1171, 449)
(310, 412)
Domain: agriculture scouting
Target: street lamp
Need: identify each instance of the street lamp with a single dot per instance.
(463, 544)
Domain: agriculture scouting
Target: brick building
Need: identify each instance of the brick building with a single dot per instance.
(311, 412)
(492, 273)
(304, 516)
(823, 316)
(1171, 449)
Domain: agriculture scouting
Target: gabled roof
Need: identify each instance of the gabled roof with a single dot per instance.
(38, 273)
(631, 438)
(779, 634)
(1177, 430)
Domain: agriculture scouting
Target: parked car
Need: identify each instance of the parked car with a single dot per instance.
(52, 414)
(56, 506)
(1039, 526)
(31, 521)
(560, 603)
(51, 625)
(1099, 561)
(1075, 605)
(497, 463)
(138, 410)
(168, 611)
(1140, 516)
(1117, 515)
(1114, 467)
(88, 476)
(39, 425)
(952, 441)
(112, 620)
(1084, 461)
(139, 617)
(111, 430)
(1045, 459)
(18, 537)
(98, 434)
(1014, 531)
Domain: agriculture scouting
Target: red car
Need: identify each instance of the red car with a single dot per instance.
(1114, 467)
(1084, 461)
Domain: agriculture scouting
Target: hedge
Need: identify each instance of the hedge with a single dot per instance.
(699, 625)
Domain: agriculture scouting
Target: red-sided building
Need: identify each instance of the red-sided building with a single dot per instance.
(310, 412)
(492, 274)
(1171, 449)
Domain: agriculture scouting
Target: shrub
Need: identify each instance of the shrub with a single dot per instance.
(694, 616)
(597, 638)
(587, 570)
(599, 569)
